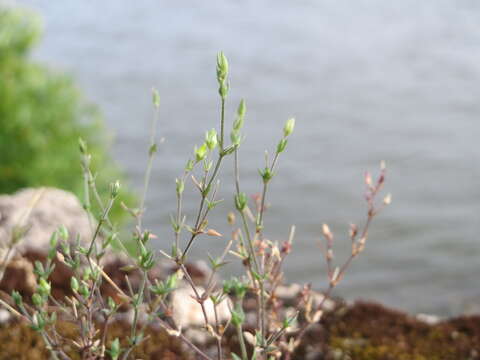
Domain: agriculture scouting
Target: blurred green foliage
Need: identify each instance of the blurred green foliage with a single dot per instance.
(42, 116)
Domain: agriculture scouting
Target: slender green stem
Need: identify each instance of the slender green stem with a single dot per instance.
(133, 331)
(151, 155)
(222, 126)
(219, 336)
(86, 187)
(99, 226)
(202, 204)
(241, 339)
(253, 256)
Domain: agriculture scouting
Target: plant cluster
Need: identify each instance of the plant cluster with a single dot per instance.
(276, 334)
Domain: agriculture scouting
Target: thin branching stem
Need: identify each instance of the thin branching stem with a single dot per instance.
(151, 154)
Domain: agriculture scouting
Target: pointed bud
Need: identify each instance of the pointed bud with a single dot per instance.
(211, 139)
(74, 284)
(242, 108)
(235, 138)
(289, 126)
(37, 300)
(231, 218)
(222, 67)
(326, 230)
(44, 287)
(281, 145)
(334, 279)
(180, 186)
(353, 230)
(82, 145)
(212, 232)
(114, 189)
(240, 201)
(17, 298)
(189, 166)
(155, 98)
(115, 349)
(368, 179)
(387, 200)
(201, 152)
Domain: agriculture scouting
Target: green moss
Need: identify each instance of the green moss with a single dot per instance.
(369, 331)
(19, 342)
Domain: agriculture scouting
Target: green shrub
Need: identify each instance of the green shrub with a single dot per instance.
(42, 115)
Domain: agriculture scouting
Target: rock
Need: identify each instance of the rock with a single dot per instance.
(328, 304)
(188, 312)
(198, 270)
(289, 293)
(41, 211)
(5, 316)
(19, 276)
(428, 319)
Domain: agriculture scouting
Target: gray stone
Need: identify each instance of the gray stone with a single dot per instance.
(41, 211)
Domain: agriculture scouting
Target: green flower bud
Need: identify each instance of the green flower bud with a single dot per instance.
(211, 139)
(84, 291)
(223, 90)
(155, 98)
(242, 108)
(152, 149)
(266, 174)
(115, 349)
(240, 201)
(238, 123)
(172, 281)
(235, 137)
(54, 239)
(38, 322)
(74, 284)
(180, 186)
(63, 232)
(37, 300)
(189, 166)
(114, 188)
(146, 258)
(281, 145)
(201, 152)
(53, 318)
(222, 67)
(44, 287)
(82, 145)
(17, 298)
(238, 316)
(289, 126)
(235, 287)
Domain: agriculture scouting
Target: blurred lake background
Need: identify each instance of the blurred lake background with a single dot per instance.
(366, 80)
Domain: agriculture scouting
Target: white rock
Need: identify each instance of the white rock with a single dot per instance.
(188, 312)
(4, 316)
(328, 304)
(428, 319)
(42, 211)
(288, 292)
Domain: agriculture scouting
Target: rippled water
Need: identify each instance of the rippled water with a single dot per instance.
(366, 80)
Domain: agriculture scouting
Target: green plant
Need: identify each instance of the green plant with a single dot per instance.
(42, 114)
(277, 334)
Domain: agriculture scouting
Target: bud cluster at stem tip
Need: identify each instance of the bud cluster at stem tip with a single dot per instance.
(222, 73)
(287, 130)
(211, 139)
(235, 136)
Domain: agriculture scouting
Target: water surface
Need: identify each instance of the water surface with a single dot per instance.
(366, 80)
